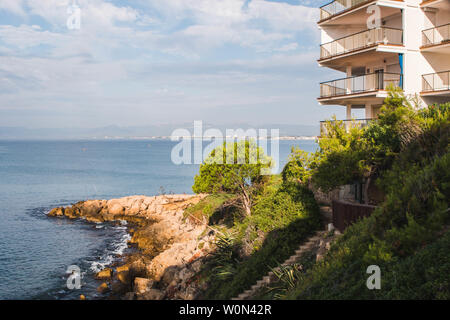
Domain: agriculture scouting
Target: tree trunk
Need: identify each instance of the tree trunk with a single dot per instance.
(246, 201)
(247, 208)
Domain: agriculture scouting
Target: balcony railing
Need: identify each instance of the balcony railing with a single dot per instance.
(424, 2)
(347, 123)
(439, 81)
(361, 40)
(360, 84)
(434, 36)
(338, 6)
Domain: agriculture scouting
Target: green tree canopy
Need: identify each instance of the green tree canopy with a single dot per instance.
(235, 167)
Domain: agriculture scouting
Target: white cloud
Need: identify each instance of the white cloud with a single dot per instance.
(288, 47)
(261, 25)
(283, 16)
(171, 55)
(95, 13)
(14, 6)
(25, 36)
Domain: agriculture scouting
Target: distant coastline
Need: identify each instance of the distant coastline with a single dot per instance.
(204, 138)
(158, 132)
(155, 138)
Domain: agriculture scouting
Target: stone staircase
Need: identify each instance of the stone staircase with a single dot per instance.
(311, 243)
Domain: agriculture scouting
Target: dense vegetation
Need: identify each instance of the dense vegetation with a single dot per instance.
(281, 216)
(405, 153)
(407, 236)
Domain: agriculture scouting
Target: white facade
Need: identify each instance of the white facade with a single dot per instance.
(377, 43)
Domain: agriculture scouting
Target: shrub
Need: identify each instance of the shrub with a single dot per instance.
(286, 215)
(237, 168)
(298, 167)
(411, 218)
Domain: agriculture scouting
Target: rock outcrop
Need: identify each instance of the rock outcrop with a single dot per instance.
(171, 247)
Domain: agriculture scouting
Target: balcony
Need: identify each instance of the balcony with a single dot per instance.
(347, 123)
(436, 83)
(356, 85)
(363, 39)
(338, 6)
(436, 36)
(432, 3)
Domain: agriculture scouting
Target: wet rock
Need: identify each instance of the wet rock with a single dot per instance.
(103, 288)
(125, 267)
(70, 212)
(124, 277)
(95, 219)
(172, 248)
(56, 212)
(120, 288)
(104, 274)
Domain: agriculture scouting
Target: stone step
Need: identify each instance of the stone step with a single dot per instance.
(262, 282)
(271, 272)
(291, 260)
(266, 279)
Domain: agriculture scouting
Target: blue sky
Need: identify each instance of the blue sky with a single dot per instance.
(143, 62)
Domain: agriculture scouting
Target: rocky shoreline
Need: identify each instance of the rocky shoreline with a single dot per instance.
(170, 246)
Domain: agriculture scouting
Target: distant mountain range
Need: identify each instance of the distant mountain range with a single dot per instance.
(163, 130)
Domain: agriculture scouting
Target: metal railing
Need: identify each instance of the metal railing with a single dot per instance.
(352, 123)
(361, 40)
(434, 36)
(338, 6)
(427, 1)
(436, 81)
(360, 84)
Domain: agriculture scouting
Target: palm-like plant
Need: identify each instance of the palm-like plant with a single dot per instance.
(287, 277)
(223, 259)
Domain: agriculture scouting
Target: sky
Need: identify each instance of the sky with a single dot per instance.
(144, 62)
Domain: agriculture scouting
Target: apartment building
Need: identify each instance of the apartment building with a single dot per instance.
(408, 46)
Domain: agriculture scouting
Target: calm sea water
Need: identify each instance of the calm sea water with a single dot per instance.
(35, 250)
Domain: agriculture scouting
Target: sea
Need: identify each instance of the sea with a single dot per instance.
(35, 176)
